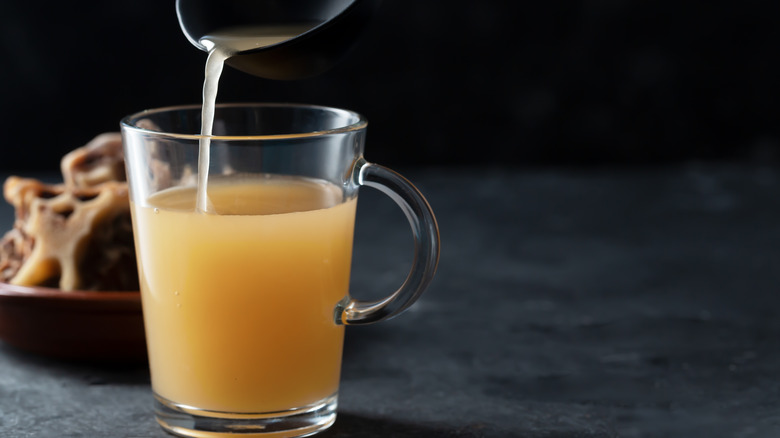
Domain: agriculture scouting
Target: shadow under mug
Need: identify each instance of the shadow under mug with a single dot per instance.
(245, 300)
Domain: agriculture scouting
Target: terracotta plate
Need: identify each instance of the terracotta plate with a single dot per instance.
(73, 325)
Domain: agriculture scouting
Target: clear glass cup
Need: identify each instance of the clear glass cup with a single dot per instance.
(245, 300)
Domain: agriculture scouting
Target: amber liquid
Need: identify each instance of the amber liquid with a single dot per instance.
(239, 304)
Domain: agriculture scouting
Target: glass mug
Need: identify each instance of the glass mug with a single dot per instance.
(245, 304)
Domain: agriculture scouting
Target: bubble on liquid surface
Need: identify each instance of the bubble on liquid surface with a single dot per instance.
(156, 211)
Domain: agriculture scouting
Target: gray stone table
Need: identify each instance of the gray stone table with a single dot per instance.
(637, 302)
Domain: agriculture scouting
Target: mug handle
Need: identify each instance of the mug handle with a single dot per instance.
(426, 246)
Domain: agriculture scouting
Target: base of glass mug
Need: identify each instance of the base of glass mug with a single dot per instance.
(187, 421)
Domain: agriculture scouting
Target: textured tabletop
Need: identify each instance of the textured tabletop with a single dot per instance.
(568, 303)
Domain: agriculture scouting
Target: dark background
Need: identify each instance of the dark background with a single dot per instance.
(456, 82)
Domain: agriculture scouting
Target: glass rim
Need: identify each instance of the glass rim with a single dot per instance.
(130, 122)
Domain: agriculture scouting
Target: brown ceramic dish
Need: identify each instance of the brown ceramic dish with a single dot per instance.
(83, 325)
